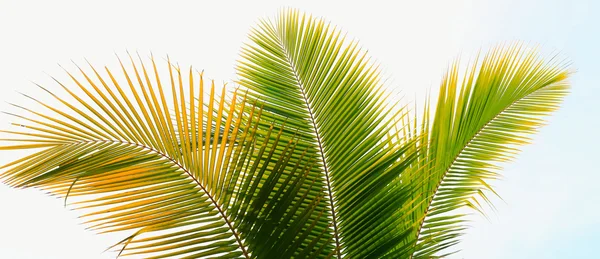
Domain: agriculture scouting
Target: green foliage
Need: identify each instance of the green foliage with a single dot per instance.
(310, 159)
(480, 120)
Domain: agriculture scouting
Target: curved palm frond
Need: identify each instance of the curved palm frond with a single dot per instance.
(325, 87)
(480, 120)
(173, 186)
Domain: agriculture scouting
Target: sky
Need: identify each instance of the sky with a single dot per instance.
(550, 199)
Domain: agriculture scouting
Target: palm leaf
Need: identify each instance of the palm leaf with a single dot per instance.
(175, 187)
(480, 120)
(326, 89)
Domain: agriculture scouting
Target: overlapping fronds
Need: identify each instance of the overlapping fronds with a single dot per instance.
(180, 188)
(312, 160)
(480, 119)
(305, 71)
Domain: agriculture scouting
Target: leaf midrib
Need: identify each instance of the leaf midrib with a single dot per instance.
(460, 153)
(313, 122)
(215, 203)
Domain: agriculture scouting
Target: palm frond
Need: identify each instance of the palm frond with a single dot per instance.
(178, 188)
(325, 88)
(480, 120)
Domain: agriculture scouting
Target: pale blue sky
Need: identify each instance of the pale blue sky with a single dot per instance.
(550, 191)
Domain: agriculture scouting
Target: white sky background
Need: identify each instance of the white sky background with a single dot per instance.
(550, 208)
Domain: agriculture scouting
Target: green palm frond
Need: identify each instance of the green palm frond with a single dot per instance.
(175, 188)
(480, 120)
(325, 87)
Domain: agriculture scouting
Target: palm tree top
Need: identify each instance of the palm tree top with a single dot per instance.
(309, 157)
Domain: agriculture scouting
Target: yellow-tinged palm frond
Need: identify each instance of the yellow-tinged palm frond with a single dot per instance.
(305, 71)
(481, 118)
(182, 188)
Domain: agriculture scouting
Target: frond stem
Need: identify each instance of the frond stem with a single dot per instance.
(427, 209)
(321, 152)
(223, 215)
